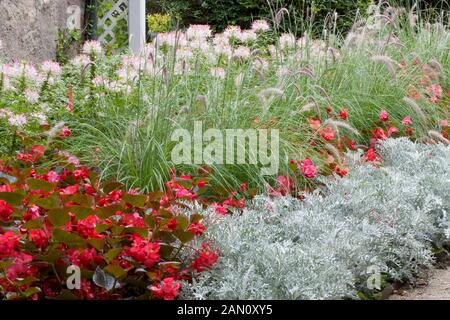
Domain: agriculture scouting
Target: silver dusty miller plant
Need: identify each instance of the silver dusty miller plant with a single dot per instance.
(321, 248)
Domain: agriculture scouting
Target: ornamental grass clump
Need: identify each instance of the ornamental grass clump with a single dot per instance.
(384, 217)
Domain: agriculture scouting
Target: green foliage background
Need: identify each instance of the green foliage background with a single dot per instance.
(220, 13)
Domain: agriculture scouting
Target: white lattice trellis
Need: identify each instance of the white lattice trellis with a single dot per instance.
(110, 19)
(134, 12)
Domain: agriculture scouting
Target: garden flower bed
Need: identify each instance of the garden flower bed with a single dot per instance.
(89, 187)
(391, 218)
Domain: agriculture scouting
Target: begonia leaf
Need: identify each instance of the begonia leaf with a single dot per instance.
(58, 217)
(38, 184)
(13, 198)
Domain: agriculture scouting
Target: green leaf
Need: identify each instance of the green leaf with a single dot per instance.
(143, 232)
(165, 251)
(93, 176)
(26, 281)
(13, 198)
(38, 184)
(165, 214)
(136, 200)
(117, 230)
(362, 295)
(51, 202)
(82, 199)
(5, 264)
(98, 244)
(196, 217)
(165, 236)
(184, 236)
(80, 212)
(115, 270)
(157, 195)
(51, 257)
(112, 254)
(68, 238)
(182, 222)
(102, 227)
(34, 224)
(106, 212)
(150, 221)
(30, 291)
(58, 217)
(109, 186)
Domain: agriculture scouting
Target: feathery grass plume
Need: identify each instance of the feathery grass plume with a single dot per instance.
(415, 57)
(84, 70)
(323, 92)
(273, 91)
(387, 19)
(258, 67)
(255, 52)
(333, 151)
(361, 146)
(308, 107)
(413, 104)
(260, 74)
(54, 131)
(340, 124)
(264, 103)
(317, 107)
(202, 100)
(266, 93)
(184, 109)
(239, 79)
(334, 54)
(439, 137)
(151, 58)
(438, 27)
(185, 67)
(280, 15)
(260, 61)
(412, 17)
(349, 39)
(357, 25)
(165, 74)
(307, 72)
(436, 65)
(388, 62)
(394, 41)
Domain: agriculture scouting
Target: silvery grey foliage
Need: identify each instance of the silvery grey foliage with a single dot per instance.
(321, 248)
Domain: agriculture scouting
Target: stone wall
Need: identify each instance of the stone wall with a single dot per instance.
(29, 28)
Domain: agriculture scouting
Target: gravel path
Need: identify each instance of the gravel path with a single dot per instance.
(437, 287)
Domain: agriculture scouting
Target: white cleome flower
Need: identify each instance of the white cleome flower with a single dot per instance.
(31, 96)
(18, 120)
(92, 47)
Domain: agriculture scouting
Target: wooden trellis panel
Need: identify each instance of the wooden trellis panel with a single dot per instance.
(134, 12)
(110, 19)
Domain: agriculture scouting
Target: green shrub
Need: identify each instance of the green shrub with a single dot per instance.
(220, 13)
(159, 22)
